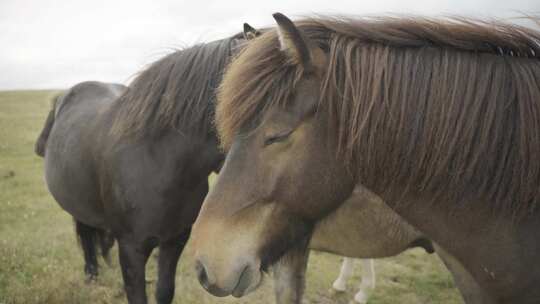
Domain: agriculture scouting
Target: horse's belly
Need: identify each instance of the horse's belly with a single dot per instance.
(360, 247)
(73, 187)
(363, 227)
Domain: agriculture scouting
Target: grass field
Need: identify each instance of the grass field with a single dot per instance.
(40, 261)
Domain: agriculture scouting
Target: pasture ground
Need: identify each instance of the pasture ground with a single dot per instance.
(40, 261)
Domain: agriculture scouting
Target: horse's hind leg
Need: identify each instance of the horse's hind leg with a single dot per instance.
(133, 257)
(169, 253)
(347, 268)
(87, 238)
(368, 281)
(106, 243)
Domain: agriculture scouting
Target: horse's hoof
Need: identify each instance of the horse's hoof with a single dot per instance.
(339, 286)
(360, 298)
(333, 291)
(90, 278)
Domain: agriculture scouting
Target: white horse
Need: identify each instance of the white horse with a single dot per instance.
(367, 284)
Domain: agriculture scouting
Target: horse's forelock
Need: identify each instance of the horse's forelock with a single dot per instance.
(258, 79)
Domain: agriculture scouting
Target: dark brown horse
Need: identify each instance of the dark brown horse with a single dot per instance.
(439, 118)
(135, 161)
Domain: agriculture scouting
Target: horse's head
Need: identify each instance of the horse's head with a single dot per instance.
(281, 174)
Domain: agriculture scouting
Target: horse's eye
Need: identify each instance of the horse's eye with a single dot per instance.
(277, 138)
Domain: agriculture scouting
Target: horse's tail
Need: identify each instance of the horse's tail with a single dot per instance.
(41, 142)
(90, 238)
(424, 243)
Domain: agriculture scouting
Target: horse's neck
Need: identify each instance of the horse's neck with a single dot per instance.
(484, 244)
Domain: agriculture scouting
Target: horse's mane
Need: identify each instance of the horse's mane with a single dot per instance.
(448, 107)
(176, 92)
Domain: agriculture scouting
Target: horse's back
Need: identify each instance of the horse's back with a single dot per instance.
(70, 168)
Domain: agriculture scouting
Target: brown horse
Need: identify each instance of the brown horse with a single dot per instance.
(362, 227)
(439, 118)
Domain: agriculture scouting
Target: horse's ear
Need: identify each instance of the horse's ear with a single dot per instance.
(293, 42)
(250, 32)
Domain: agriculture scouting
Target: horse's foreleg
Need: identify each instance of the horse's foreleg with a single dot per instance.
(289, 276)
(368, 281)
(133, 259)
(169, 253)
(469, 288)
(347, 268)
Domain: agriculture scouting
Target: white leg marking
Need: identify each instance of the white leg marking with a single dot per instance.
(347, 268)
(368, 281)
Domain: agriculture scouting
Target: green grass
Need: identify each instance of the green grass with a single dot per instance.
(40, 261)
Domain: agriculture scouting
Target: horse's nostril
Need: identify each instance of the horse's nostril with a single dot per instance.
(207, 283)
(243, 282)
(201, 274)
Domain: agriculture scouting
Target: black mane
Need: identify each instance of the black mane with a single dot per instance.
(175, 92)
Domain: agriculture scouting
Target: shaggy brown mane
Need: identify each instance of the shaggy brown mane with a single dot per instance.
(448, 107)
(175, 92)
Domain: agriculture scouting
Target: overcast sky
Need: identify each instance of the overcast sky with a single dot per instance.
(55, 44)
